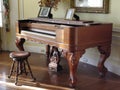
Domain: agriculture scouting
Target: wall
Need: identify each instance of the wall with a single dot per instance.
(28, 9)
(21, 9)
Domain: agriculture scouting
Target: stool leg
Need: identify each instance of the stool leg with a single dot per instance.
(24, 68)
(11, 70)
(17, 72)
(30, 70)
(20, 67)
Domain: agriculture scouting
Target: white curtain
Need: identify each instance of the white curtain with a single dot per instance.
(4, 22)
(6, 15)
(1, 13)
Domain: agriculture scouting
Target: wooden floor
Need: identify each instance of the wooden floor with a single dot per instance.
(87, 75)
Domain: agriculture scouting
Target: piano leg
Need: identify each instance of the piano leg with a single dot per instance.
(48, 51)
(105, 53)
(56, 53)
(73, 60)
(19, 43)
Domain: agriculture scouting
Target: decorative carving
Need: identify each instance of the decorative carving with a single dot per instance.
(54, 59)
(19, 43)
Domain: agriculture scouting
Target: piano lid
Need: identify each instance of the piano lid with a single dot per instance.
(59, 21)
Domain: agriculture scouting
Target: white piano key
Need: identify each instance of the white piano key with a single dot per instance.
(23, 32)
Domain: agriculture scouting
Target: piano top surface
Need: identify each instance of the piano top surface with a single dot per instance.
(61, 21)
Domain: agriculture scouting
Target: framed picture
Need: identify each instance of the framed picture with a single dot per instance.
(44, 12)
(70, 13)
(90, 6)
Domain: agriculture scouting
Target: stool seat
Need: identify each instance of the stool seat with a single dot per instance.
(21, 57)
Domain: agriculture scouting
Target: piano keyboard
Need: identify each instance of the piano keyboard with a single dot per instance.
(42, 33)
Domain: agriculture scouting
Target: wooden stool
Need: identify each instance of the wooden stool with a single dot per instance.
(21, 57)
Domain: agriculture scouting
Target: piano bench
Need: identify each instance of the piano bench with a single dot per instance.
(21, 58)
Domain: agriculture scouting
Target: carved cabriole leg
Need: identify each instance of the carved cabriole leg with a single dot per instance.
(73, 60)
(19, 43)
(105, 53)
